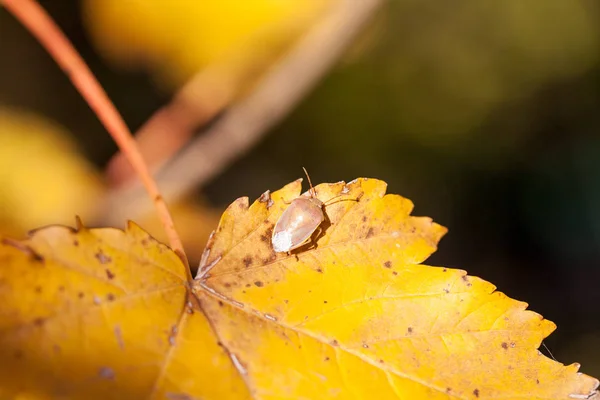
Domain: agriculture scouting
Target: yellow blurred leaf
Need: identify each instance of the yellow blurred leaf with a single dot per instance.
(43, 178)
(103, 313)
(179, 38)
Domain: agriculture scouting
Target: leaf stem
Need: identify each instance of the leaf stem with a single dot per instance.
(49, 35)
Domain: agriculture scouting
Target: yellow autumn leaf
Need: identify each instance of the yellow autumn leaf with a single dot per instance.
(103, 313)
(357, 316)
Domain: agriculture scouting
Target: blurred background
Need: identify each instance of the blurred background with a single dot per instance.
(485, 114)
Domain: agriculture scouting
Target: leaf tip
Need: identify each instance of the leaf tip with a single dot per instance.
(136, 230)
(439, 231)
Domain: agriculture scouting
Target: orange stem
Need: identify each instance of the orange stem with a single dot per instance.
(43, 28)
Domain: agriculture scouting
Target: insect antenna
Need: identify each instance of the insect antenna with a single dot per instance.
(312, 189)
(327, 203)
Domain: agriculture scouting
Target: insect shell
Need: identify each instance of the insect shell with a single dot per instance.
(298, 222)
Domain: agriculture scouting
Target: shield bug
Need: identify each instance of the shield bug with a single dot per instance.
(299, 221)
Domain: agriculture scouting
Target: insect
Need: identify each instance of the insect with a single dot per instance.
(299, 221)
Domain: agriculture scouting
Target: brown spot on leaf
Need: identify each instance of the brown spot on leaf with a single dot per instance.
(269, 229)
(265, 198)
(109, 274)
(395, 273)
(103, 258)
(247, 261)
(269, 259)
(381, 361)
(227, 284)
(61, 288)
(75, 242)
(220, 303)
(504, 345)
(110, 297)
(39, 321)
(18, 354)
(387, 264)
(410, 329)
(319, 270)
(326, 358)
(38, 289)
(364, 218)
(370, 233)
(264, 238)
(324, 301)
(445, 270)
(258, 284)
(334, 343)
(476, 392)
(80, 295)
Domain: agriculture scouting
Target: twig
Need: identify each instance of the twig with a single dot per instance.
(249, 120)
(43, 28)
